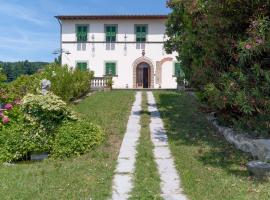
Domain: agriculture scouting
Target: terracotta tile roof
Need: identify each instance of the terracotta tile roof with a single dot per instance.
(100, 17)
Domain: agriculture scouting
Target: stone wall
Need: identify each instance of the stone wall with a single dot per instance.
(258, 148)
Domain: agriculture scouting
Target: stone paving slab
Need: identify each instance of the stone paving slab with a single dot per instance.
(162, 152)
(125, 165)
(170, 180)
(123, 178)
(122, 185)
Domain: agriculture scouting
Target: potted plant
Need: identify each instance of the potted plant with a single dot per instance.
(109, 82)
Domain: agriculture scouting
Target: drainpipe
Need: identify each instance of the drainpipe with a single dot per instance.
(61, 50)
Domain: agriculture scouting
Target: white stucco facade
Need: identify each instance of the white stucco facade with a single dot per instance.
(125, 52)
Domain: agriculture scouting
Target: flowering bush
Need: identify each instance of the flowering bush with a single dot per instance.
(31, 122)
(10, 113)
(224, 48)
(46, 111)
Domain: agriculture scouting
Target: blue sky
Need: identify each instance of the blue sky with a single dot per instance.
(29, 31)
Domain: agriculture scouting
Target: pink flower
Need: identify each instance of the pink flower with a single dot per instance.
(17, 102)
(259, 41)
(248, 46)
(8, 106)
(5, 120)
(1, 114)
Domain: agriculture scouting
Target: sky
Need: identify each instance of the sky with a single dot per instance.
(29, 31)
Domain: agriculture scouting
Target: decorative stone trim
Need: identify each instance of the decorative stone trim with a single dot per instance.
(138, 61)
(159, 69)
(167, 59)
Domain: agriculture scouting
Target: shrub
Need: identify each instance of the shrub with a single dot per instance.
(18, 140)
(76, 138)
(10, 113)
(224, 49)
(67, 83)
(46, 111)
(23, 85)
(13, 143)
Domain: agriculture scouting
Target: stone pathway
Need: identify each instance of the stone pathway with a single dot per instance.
(170, 181)
(123, 178)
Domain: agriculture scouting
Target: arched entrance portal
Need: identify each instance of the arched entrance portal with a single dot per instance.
(143, 75)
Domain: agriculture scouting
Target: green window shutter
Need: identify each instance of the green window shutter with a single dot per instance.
(107, 70)
(113, 68)
(141, 32)
(111, 33)
(82, 31)
(178, 71)
(138, 33)
(110, 69)
(82, 66)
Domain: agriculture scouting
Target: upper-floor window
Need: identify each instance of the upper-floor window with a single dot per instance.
(141, 33)
(111, 31)
(81, 33)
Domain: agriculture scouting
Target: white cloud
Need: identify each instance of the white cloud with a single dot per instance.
(22, 13)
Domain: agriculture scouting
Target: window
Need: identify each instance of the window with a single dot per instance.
(81, 66)
(141, 33)
(178, 70)
(81, 33)
(111, 31)
(110, 68)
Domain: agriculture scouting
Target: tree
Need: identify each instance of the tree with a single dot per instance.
(224, 48)
(16, 69)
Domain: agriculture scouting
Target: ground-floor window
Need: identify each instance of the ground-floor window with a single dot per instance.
(178, 71)
(82, 66)
(110, 69)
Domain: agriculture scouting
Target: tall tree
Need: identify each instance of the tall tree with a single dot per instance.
(224, 48)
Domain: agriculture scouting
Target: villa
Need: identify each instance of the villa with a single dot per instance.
(128, 47)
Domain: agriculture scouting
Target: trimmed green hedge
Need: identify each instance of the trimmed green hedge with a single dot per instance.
(76, 138)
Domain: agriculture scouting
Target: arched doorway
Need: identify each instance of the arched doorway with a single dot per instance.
(143, 75)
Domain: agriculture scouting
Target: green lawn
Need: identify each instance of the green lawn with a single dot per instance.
(147, 181)
(209, 167)
(85, 177)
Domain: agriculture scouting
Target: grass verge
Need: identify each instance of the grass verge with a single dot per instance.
(209, 167)
(147, 182)
(85, 177)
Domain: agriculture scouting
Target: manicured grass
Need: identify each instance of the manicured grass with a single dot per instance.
(210, 168)
(85, 177)
(147, 182)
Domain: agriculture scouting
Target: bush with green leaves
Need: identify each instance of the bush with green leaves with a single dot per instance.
(224, 49)
(18, 141)
(76, 138)
(46, 112)
(33, 120)
(47, 125)
(67, 83)
(11, 143)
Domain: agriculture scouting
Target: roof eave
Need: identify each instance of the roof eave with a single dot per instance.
(104, 17)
